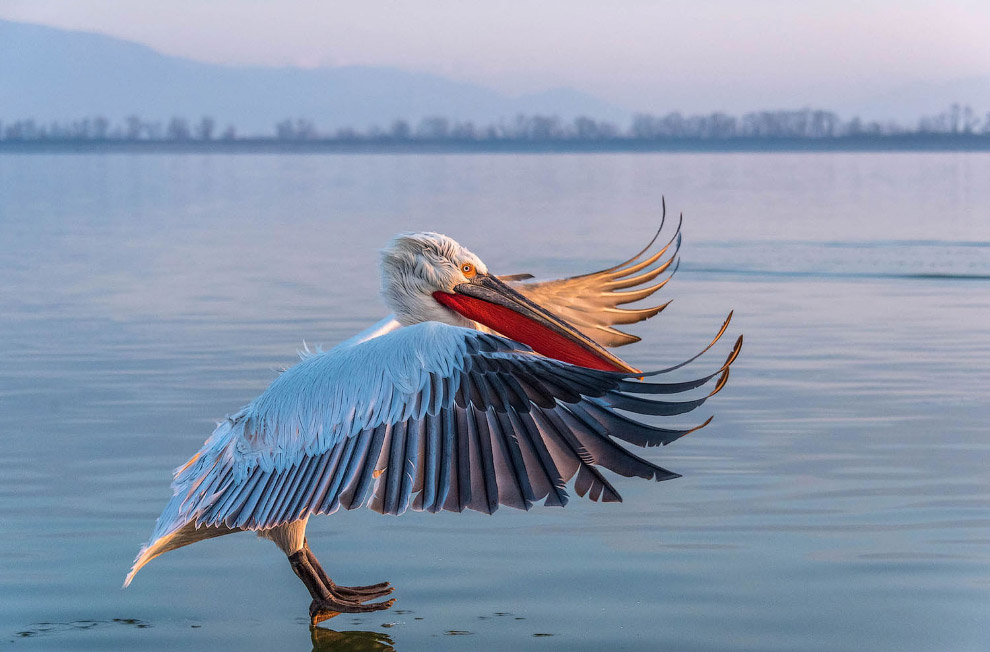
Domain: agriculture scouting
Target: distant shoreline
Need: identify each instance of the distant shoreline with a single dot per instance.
(881, 143)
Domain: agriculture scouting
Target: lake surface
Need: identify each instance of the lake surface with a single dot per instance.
(840, 500)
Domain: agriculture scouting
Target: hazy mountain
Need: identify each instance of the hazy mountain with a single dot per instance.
(52, 74)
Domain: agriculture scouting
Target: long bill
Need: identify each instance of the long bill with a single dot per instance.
(489, 301)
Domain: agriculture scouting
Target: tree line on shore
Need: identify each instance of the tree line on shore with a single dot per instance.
(797, 124)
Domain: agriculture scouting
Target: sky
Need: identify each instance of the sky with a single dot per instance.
(701, 55)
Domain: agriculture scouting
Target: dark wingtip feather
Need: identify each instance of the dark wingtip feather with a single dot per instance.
(734, 353)
(718, 336)
(688, 432)
(610, 495)
(722, 380)
(663, 220)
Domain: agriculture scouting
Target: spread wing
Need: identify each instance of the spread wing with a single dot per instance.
(431, 417)
(590, 302)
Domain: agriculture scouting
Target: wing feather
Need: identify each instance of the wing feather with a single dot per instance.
(447, 481)
(448, 492)
(503, 433)
(328, 501)
(540, 473)
(351, 478)
(464, 470)
(431, 453)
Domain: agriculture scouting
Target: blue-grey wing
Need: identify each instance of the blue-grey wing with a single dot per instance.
(431, 417)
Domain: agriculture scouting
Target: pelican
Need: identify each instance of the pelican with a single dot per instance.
(479, 391)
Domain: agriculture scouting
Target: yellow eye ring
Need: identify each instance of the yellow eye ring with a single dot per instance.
(468, 270)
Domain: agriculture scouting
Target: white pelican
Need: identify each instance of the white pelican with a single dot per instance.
(481, 391)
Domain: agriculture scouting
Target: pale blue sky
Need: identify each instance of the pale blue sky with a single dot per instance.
(700, 55)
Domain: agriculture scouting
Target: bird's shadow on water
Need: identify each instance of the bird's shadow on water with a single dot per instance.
(327, 640)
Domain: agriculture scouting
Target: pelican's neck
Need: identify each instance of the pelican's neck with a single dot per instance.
(378, 329)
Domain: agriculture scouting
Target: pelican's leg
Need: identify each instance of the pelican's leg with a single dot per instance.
(327, 603)
(329, 599)
(362, 593)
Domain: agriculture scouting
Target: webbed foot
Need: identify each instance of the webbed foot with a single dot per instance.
(324, 608)
(362, 593)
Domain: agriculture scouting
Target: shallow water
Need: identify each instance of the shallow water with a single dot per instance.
(840, 500)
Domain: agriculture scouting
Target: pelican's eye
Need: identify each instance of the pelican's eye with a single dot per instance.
(468, 270)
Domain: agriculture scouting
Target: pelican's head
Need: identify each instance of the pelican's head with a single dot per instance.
(415, 265)
(430, 277)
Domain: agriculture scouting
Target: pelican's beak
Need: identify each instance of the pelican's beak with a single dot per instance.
(489, 301)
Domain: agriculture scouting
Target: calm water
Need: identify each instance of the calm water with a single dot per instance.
(840, 500)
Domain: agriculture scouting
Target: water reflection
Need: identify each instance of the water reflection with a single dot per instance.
(325, 640)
